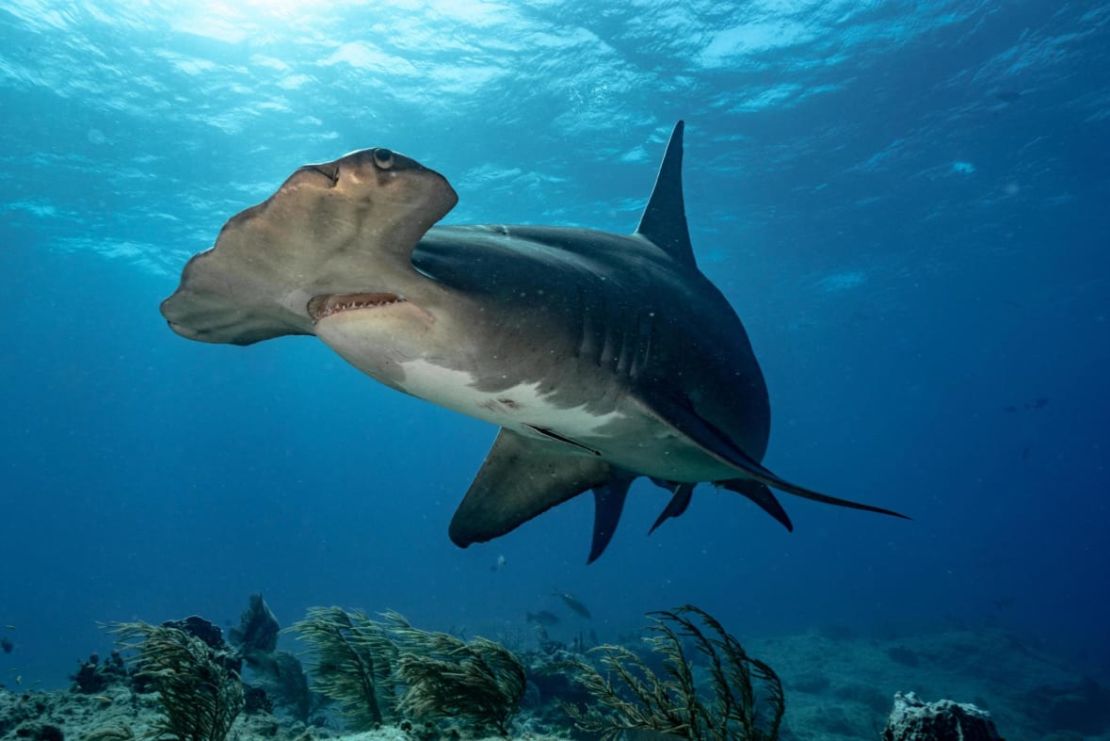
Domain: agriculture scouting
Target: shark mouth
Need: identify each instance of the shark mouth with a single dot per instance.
(321, 307)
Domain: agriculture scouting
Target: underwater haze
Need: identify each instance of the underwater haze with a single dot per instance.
(906, 204)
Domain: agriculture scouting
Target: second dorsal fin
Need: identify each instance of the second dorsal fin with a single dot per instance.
(663, 222)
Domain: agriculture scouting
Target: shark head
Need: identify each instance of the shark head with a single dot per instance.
(335, 237)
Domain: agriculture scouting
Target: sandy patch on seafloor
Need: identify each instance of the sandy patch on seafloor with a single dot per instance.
(840, 684)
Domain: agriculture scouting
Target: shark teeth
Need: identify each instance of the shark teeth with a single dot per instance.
(321, 307)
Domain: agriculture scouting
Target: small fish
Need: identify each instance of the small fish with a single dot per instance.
(543, 617)
(574, 604)
(18, 679)
(499, 563)
(9, 627)
(6, 645)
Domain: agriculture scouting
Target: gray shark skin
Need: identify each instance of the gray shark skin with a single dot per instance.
(602, 357)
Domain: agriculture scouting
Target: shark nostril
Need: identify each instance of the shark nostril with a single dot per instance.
(330, 171)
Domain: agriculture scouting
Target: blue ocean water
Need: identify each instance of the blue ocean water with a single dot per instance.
(905, 202)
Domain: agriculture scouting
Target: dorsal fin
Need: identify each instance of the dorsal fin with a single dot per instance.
(664, 219)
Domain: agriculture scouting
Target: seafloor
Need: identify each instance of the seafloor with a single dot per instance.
(839, 684)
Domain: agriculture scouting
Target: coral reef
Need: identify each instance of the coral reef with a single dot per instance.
(184, 683)
(388, 670)
(199, 694)
(479, 681)
(120, 714)
(198, 627)
(258, 628)
(278, 674)
(353, 663)
(282, 679)
(93, 677)
(441, 686)
(915, 720)
(746, 701)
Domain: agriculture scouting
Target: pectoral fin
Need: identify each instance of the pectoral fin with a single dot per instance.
(521, 478)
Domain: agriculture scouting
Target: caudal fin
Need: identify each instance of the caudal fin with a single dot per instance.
(680, 415)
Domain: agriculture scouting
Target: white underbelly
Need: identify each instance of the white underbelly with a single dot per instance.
(635, 439)
(517, 407)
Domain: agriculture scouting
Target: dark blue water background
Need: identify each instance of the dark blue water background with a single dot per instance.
(906, 203)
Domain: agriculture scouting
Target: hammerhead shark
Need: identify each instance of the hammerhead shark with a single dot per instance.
(602, 357)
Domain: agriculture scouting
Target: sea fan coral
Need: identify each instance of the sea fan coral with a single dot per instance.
(200, 695)
(353, 663)
(478, 681)
(745, 701)
(278, 673)
(383, 670)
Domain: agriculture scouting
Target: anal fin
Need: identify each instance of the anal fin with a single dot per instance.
(762, 496)
(521, 478)
(677, 506)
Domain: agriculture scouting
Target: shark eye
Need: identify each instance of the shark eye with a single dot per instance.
(383, 158)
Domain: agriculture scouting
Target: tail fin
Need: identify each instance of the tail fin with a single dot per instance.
(681, 415)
